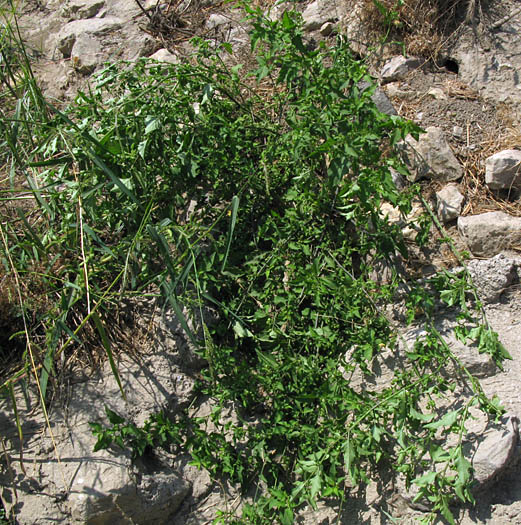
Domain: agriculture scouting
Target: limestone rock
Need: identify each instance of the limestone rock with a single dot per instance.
(490, 447)
(503, 170)
(276, 11)
(491, 62)
(327, 29)
(450, 201)
(383, 103)
(489, 233)
(397, 68)
(430, 157)
(480, 365)
(380, 99)
(94, 26)
(215, 20)
(86, 53)
(398, 179)
(318, 13)
(163, 55)
(492, 276)
(79, 9)
(437, 93)
(105, 486)
(495, 452)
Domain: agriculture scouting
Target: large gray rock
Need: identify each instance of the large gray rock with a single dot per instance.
(430, 157)
(503, 170)
(398, 67)
(86, 54)
(93, 26)
(492, 276)
(449, 202)
(488, 54)
(489, 233)
(318, 13)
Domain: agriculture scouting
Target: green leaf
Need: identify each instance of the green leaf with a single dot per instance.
(113, 417)
(151, 124)
(233, 221)
(316, 484)
(240, 330)
(446, 421)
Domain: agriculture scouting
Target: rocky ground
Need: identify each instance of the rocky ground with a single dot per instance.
(467, 162)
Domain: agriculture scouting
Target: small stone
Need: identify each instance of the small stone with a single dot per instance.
(163, 55)
(437, 93)
(487, 234)
(398, 179)
(152, 5)
(380, 99)
(430, 157)
(503, 170)
(216, 20)
(458, 132)
(276, 11)
(450, 202)
(327, 29)
(397, 68)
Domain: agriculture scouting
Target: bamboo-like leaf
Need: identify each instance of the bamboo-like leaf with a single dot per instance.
(18, 424)
(106, 345)
(31, 232)
(112, 176)
(235, 207)
(169, 293)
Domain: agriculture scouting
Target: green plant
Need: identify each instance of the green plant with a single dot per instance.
(189, 180)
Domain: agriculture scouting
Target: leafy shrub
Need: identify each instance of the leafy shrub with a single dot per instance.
(192, 180)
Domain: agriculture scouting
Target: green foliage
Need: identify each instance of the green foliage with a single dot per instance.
(188, 178)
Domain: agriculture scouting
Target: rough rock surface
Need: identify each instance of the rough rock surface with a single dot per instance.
(487, 234)
(450, 202)
(319, 12)
(85, 53)
(77, 9)
(106, 486)
(492, 276)
(495, 452)
(397, 68)
(163, 55)
(380, 99)
(503, 170)
(93, 26)
(488, 54)
(430, 157)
